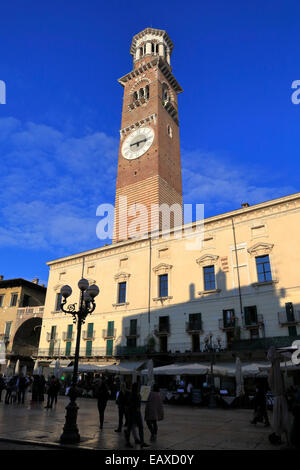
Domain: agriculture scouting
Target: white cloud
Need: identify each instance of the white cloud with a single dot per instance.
(222, 185)
(52, 184)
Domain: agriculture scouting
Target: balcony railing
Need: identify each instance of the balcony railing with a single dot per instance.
(30, 311)
(131, 351)
(228, 324)
(132, 333)
(66, 336)
(88, 336)
(162, 329)
(253, 322)
(289, 319)
(193, 326)
(61, 352)
(51, 337)
(109, 333)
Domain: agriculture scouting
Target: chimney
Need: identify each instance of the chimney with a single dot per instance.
(245, 204)
(35, 281)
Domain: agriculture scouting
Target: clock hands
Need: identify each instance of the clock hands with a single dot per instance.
(138, 143)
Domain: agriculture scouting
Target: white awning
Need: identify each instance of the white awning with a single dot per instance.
(62, 363)
(132, 365)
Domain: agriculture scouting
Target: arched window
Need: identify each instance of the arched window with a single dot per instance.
(165, 93)
(141, 92)
(170, 133)
(141, 51)
(152, 47)
(135, 96)
(147, 92)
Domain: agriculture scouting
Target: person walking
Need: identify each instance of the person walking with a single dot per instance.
(2, 385)
(260, 407)
(135, 417)
(154, 411)
(21, 386)
(56, 389)
(102, 395)
(122, 401)
(41, 391)
(51, 392)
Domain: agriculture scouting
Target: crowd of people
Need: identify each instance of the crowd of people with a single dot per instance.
(128, 400)
(15, 389)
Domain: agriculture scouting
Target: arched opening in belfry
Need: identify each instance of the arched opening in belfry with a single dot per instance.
(27, 337)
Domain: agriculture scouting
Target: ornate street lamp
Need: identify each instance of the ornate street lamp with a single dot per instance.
(86, 305)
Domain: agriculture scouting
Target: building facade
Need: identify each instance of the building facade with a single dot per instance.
(233, 281)
(21, 311)
(165, 296)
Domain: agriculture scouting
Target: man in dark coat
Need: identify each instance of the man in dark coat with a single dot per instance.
(260, 407)
(2, 385)
(135, 416)
(22, 385)
(102, 395)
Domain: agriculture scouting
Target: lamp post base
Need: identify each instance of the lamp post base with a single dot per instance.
(70, 433)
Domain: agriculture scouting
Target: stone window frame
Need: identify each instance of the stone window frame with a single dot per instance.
(163, 268)
(205, 261)
(262, 249)
(122, 277)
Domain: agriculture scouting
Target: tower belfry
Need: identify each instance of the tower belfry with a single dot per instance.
(149, 168)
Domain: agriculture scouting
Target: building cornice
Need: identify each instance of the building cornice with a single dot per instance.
(144, 66)
(262, 209)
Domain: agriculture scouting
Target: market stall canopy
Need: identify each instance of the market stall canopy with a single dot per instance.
(132, 365)
(84, 368)
(115, 369)
(62, 363)
(179, 369)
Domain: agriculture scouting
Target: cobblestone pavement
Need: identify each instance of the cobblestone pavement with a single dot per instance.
(184, 427)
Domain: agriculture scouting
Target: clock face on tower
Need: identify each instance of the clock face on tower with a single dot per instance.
(137, 143)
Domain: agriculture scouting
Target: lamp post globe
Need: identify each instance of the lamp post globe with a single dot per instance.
(86, 306)
(93, 290)
(83, 284)
(66, 291)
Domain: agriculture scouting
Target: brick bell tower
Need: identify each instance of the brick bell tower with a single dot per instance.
(149, 168)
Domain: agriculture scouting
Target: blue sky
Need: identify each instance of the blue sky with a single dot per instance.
(59, 130)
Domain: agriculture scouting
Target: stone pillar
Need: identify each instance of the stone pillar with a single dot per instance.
(148, 47)
(161, 50)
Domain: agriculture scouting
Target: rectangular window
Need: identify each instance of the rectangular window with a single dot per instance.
(263, 268)
(90, 330)
(110, 329)
(250, 315)
(69, 331)
(122, 293)
(289, 308)
(58, 302)
(13, 300)
(51, 348)
(164, 324)
(26, 300)
(133, 327)
(195, 321)
(209, 278)
(68, 348)
(7, 329)
(1, 300)
(88, 348)
(163, 285)
(109, 347)
(228, 318)
(53, 333)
